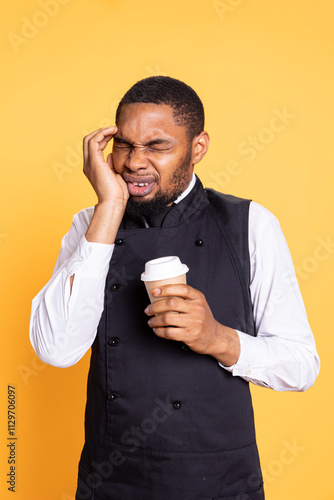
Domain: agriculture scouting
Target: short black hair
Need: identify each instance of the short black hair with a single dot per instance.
(188, 110)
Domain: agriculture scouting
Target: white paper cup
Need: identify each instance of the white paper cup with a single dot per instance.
(163, 271)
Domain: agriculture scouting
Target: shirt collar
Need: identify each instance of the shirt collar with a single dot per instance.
(187, 191)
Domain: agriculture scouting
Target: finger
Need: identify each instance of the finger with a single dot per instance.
(169, 319)
(177, 304)
(105, 131)
(179, 290)
(119, 178)
(110, 163)
(108, 131)
(170, 333)
(112, 168)
(86, 140)
(124, 185)
(99, 141)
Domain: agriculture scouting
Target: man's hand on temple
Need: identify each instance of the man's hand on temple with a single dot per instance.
(183, 314)
(107, 183)
(109, 186)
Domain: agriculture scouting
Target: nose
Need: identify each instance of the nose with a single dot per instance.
(136, 159)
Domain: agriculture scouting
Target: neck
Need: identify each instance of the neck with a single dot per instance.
(187, 190)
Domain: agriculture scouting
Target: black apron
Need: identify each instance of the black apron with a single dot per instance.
(163, 422)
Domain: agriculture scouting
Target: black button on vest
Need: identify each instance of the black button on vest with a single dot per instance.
(114, 341)
(111, 396)
(115, 287)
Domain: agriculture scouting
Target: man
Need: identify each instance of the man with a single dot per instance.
(169, 412)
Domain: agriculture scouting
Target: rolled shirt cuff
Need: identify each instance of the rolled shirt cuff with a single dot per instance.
(250, 365)
(90, 259)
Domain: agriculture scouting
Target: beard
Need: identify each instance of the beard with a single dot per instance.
(137, 208)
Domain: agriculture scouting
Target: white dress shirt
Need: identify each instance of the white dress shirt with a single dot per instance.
(282, 356)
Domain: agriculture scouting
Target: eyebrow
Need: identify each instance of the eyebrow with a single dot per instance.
(158, 140)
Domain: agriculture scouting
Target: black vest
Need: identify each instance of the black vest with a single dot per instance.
(163, 422)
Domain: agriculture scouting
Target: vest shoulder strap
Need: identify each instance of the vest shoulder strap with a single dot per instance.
(231, 215)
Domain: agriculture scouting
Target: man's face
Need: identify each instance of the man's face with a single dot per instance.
(153, 155)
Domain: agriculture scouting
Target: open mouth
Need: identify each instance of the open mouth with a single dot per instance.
(140, 188)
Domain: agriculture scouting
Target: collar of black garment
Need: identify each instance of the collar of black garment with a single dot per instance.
(175, 214)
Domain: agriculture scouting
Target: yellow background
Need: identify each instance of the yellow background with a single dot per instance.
(62, 77)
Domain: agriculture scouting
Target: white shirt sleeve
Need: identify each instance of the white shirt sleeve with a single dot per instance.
(63, 325)
(283, 355)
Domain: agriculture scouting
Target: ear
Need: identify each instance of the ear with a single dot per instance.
(200, 145)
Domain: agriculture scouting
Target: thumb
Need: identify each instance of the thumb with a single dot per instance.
(109, 161)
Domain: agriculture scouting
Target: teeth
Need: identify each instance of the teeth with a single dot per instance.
(141, 184)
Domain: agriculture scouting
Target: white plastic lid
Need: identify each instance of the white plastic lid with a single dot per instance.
(163, 268)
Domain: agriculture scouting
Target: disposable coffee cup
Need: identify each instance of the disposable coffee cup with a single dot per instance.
(163, 271)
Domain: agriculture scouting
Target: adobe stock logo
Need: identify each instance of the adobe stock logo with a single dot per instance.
(223, 8)
(290, 452)
(31, 27)
(3, 236)
(252, 146)
(73, 157)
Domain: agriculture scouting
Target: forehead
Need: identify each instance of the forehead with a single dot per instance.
(143, 121)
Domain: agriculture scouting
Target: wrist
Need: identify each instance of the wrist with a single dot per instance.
(111, 206)
(105, 222)
(226, 345)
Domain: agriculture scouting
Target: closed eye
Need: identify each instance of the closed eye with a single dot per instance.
(159, 147)
(123, 146)
(121, 143)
